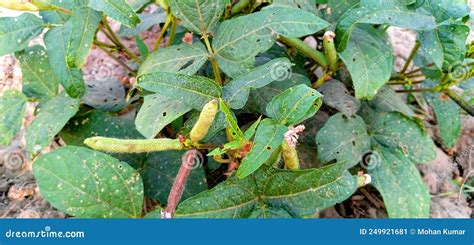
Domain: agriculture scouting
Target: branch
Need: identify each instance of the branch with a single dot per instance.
(466, 106)
(305, 49)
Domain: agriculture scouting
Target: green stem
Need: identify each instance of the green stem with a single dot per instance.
(116, 40)
(330, 51)
(410, 58)
(215, 66)
(466, 106)
(61, 9)
(163, 31)
(238, 7)
(133, 72)
(306, 50)
(421, 90)
(173, 32)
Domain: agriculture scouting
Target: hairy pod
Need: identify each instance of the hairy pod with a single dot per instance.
(113, 145)
(330, 50)
(204, 121)
(290, 156)
(22, 5)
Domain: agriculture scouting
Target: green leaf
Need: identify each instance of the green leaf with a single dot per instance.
(236, 92)
(445, 45)
(156, 112)
(51, 117)
(239, 40)
(343, 139)
(309, 6)
(56, 41)
(106, 94)
(97, 123)
(17, 32)
(85, 22)
(235, 198)
(89, 184)
(194, 91)
(251, 130)
(198, 16)
(305, 192)
(395, 131)
(388, 100)
(12, 111)
(233, 126)
(278, 193)
(56, 16)
(398, 180)
(119, 10)
(386, 14)
(337, 96)
(295, 105)
(369, 60)
(447, 116)
(337, 9)
(267, 140)
(148, 21)
(445, 9)
(183, 58)
(160, 170)
(39, 80)
(259, 98)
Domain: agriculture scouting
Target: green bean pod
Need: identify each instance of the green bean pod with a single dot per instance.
(204, 122)
(113, 145)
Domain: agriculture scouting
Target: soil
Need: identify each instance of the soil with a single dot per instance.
(20, 197)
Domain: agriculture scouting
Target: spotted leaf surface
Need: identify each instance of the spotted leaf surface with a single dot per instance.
(119, 10)
(397, 179)
(12, 110)
(268, 139)
(156, 112)
(183, 58)
(236, 92)
(198, 16)
(271, 192)
(89, 184)
(395, 131)
(39, 80)
(239, 40)
(344, 139)
(194, 91)
(50, 119)
(17, 32)
(85, 22)
(295, 105)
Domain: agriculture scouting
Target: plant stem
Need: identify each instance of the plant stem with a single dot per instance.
(61, 9)
(163, 31)
(305, 49)
(421, 90)
(133, 72)
(215, 66)
(466, 106)
(241, 5)
(410, 58)
(179, 183)
(116, 40)
(403, 83)
(173, 32)
(330, 50)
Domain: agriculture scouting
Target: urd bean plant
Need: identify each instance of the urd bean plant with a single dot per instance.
(241, 109)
